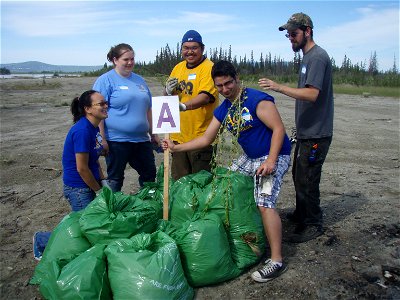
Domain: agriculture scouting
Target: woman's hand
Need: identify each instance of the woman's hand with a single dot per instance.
(106, 148)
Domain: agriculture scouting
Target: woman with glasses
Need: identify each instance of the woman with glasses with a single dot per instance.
(82, 173)
(127, 134)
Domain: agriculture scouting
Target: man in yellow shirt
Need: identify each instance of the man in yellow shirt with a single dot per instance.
(191, 80)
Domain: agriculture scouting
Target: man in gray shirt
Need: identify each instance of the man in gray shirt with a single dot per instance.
(314, 125)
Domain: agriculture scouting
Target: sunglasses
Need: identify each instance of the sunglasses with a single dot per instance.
(102, 104)
(292, 34)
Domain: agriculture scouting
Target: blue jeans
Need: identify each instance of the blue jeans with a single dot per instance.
(78, 198)
(139, 156)
(306, 171)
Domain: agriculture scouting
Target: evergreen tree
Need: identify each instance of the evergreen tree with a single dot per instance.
(373, 64)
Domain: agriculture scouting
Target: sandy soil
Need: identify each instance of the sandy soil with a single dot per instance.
(357, 258)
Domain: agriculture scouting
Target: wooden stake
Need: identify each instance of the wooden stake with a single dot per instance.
(166, 181)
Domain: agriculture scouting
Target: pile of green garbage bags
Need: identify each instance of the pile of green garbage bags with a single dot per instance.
(119, 247)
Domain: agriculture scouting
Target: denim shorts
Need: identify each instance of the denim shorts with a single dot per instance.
(78, 198)
(249, 166)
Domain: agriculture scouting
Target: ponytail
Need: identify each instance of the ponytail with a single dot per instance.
(78, 105)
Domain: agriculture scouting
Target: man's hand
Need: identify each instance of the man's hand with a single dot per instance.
(268, 84)
(171, 85)
(182, 106)
(168, 144)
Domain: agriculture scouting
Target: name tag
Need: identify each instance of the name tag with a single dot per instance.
(192, 77)
(303, 70)
(123, 87)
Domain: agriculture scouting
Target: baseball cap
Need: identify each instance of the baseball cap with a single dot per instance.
(192, 36)
(297, 20)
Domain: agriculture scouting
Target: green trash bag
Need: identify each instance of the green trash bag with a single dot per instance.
(146, 266)
(204, 248)
(117, 215)
(231, 196)
(66, 242)
(184, 196)
(85, 277)
(151, 191)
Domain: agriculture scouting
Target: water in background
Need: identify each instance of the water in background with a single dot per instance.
(16, 76)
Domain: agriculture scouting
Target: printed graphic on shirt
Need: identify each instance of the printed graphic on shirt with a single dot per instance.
(186, 87)
(234, 120)
(141, 87)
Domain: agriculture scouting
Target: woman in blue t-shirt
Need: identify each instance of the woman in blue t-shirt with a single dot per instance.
(127, 133)
(82, 173)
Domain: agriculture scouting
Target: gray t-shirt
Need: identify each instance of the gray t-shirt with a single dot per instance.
(315, 119)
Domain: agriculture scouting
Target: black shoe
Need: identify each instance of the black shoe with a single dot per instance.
(269, 271)
(305, 233)
(292, 218)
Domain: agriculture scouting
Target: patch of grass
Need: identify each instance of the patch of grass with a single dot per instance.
(32, 86)
(7, 160)
(64, 103)
(348, 89)
(393, 92)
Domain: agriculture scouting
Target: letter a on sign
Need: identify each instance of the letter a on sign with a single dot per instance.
(165, 113)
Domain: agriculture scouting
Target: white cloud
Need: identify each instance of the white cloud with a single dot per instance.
(375, 30)
(55, 19)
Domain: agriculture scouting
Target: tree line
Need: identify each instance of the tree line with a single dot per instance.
(273, 66)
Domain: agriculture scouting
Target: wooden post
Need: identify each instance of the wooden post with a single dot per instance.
(166, 181)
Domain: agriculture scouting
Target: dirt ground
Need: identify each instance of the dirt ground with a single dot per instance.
(357, 258)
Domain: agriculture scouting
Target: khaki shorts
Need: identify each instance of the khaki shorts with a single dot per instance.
(190, 162)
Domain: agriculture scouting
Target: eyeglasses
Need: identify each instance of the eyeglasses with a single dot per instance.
(187, 49)
(102, 104)
(292, 34)
(228, 83)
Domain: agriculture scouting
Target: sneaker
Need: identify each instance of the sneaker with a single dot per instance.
(269, 271)
(40, 239)
(305, 233)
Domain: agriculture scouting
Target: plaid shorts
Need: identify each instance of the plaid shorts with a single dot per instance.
(249, 166)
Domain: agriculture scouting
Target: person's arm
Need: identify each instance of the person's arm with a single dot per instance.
(269, 115)
(82, 165)
(308, 93)
(198, 143)
(197, 101)
(154, 137)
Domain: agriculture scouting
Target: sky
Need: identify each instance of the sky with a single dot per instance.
(82, 32)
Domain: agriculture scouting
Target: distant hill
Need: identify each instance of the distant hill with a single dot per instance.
(39, 67)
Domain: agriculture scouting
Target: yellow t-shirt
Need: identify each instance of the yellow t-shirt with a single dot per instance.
(193, 82)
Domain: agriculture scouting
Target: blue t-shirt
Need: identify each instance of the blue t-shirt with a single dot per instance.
(129, 100)
(254, 135)
(83, 137)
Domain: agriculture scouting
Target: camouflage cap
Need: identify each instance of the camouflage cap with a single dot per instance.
(297, 20)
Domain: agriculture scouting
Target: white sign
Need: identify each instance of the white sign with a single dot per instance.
(165, 114)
